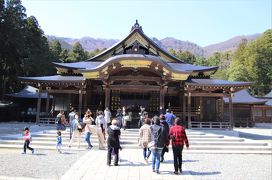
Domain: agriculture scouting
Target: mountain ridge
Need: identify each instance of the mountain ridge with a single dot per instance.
(90, 44)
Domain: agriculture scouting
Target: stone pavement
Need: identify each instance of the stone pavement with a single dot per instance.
(131, 167)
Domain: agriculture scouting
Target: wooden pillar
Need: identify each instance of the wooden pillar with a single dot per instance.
(222, 108)
(79, 102)
(189, 111)
(107, 96)
(201, 107)
(184, 108)
(47, 103)
(162, 96)
(85, 101)
(231, 112)
(38, 105)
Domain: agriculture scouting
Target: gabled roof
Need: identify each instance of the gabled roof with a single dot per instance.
(243, 97)
(29, 92)
(269, 95)
(136, 33)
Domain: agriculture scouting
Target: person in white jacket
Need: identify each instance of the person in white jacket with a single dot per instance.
(107, 116)
(100, 125)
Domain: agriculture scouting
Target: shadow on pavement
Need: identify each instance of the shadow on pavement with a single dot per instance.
(184, 161)
(130, 163)
(203, 173)
(254, 136)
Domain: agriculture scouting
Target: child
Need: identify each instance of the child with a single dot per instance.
(59, 142)
(113, 142)
(27, 137)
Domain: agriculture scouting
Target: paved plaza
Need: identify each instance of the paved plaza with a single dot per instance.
(91, 164)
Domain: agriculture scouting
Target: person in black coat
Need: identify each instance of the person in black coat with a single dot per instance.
(166, 131)
(113, 142)
(158, 137)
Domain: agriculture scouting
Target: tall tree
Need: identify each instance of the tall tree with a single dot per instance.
(55, 49)
(77, 53)
(237, 70)
(12, 44)
(259, 63)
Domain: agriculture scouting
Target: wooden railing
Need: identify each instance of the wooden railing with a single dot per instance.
(210, 125)
(48, 120)
(243, 122)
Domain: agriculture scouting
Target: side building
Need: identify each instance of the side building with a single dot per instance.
(136, 71)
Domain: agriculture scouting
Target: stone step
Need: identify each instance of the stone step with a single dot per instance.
(94, 137)
(193, 149)
(193, 144)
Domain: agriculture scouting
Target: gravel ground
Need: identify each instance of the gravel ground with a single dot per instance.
(229, 166)
(44, 164)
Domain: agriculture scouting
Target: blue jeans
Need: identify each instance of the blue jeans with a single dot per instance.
(87, 138)
(146, 153)
(156, 157)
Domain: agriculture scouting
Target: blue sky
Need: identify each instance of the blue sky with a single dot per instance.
(200, 21)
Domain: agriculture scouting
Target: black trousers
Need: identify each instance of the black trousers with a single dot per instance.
(165, 148)
(116, 153)
(177, 152)
(26, 145)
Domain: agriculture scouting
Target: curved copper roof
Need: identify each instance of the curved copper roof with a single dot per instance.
(175, 67)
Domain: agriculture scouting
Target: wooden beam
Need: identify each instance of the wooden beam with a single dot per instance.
(231, 112)
(63, 91)
(139, 88)
(38, 106)
(47, 103)
(79, 103)
(198, 94)
(137, 78)
(189, 111)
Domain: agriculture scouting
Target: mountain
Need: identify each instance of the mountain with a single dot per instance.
(228, 45)
(176, 44)
(90, 44)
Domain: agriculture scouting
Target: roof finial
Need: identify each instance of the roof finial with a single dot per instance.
(136, 26)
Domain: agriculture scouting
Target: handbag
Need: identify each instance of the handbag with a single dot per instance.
(126, 118)
(151, 144)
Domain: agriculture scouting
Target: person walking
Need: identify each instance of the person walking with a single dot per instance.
(119, 117)
(178, 137)
(27, 138)
(59, 142)
(88, 121)
(158, 140)
(170, 118)
(113, 142)
(75, 131)
(124, 117)
(145, 138)
(100, 126)
(107, 116)
(166, 131)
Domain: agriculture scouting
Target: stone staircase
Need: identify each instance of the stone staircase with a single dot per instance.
(200, 142)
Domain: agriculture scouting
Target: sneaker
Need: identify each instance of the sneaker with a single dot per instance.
(23, 153)
(153, 170)
(146, 161)
(33, 151)
(175, 172)
(158, 172)
(180, 170)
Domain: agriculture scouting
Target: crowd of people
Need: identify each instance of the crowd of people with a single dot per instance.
(155, 134)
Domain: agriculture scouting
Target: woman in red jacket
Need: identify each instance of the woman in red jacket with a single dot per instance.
(178, 136)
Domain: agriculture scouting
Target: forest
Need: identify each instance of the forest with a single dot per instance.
(25, 51)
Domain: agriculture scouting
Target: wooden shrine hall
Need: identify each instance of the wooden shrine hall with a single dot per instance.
(136, 71)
